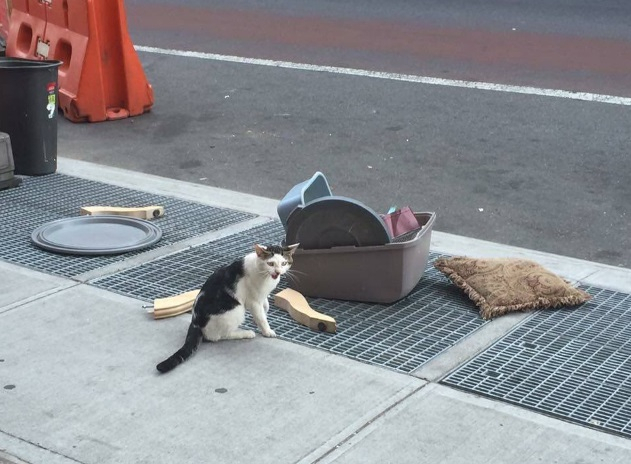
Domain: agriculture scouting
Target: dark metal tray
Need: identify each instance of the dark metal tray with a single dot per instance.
(96, 235)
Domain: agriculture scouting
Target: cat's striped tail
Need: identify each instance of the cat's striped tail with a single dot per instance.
(193, 339)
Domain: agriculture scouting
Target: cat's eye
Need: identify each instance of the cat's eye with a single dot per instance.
(284, 263)
(270, 263)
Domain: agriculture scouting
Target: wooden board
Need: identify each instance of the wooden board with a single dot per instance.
(144, 212)
(298, 308)
(174, 305)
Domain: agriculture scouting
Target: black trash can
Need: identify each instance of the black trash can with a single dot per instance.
(28, 113)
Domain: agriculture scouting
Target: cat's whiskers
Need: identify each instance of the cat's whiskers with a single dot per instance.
(291, 275)
(295, 271)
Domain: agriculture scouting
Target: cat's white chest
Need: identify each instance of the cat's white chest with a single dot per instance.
(249, 295)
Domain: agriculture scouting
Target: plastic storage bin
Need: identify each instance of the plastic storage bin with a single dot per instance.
(374, 274)
(28, 113)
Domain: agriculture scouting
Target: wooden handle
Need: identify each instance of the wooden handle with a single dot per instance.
(298, 308)
(144, 212)
(174, 305)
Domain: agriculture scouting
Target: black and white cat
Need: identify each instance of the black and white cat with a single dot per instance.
(219, 309)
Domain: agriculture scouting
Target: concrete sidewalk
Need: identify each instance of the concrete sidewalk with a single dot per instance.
(79, 382)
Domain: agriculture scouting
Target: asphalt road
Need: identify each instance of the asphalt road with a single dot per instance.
(541, 172)
(577, 45)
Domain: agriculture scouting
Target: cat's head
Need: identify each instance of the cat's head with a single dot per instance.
(276, 260)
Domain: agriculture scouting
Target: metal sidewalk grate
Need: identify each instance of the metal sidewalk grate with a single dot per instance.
(187, 269)
(401, 336)
(42, 199)
(572, 363)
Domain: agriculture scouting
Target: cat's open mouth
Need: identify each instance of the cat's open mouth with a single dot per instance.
(275, 275)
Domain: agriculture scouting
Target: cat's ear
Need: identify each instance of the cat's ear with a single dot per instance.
(261, 250)
(291, 248)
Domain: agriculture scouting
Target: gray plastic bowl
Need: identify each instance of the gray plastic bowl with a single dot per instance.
(301, 194)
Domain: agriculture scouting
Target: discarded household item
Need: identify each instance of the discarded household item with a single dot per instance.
(28, 113)
(298, 308)
(143, 212)
(96, 235)
(7, 167)
(301, 194)
(400, 221)
(173, 305)
(101, 77)
(375, 274)
(335, 221)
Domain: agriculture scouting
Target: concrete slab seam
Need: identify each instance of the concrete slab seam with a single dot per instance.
(469, 347)
(321, 454)
(364, 431)
(39, 296)
(530, 415)
(35, 447)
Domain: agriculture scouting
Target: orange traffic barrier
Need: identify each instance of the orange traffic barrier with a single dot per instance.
(101, 76)
(4, 19)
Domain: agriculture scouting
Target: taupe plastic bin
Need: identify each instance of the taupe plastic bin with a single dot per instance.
(374, 274)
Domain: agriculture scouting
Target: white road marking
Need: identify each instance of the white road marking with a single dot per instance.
(593, 97)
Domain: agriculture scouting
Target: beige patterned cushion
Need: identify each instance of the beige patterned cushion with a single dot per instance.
(502, 285)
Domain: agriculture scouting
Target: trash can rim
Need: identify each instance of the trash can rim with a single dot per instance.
(7, 62)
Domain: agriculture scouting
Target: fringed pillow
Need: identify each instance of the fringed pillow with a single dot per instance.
(502, 285)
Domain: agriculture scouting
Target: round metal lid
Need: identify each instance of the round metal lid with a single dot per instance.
(96, 235)
(335, 221)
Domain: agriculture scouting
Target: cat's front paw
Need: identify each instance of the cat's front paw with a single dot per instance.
(269, 333)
